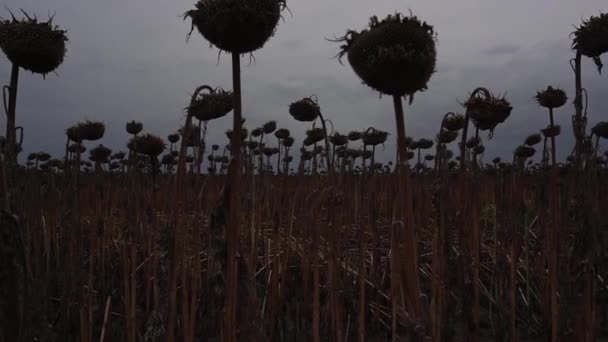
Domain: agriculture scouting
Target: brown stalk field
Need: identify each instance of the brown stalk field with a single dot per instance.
(111, 257)
(180, 240)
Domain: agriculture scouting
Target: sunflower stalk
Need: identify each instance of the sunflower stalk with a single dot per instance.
(10, 108)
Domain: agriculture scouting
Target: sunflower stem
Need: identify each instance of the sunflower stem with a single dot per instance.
(578, 107)
(10, 116)
(404, 255)
(230, 323)
(553, 148)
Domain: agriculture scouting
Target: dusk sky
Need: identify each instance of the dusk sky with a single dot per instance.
(129, 60)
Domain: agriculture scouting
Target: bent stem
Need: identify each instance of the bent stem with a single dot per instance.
(178, 195)
(438, 158)
(465, 130)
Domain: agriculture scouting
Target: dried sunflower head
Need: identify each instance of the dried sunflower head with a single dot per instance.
(167, 159)
(76, 148)
(551, 97)
(533, 139)
(100, 154)
(244, 134)
(446, 136)
(134, 127)
(269, 127)
(472, 142)
(35, 46)
(173, 138)
(74, 133)
(236, 26)
(306, 109)
(147, 144)
(591, 38)
(282, 133)
(288, 142)
(314, 135)
(524, 152)
(425, 144)
(551, 131)
(374, 137)
(91, 130)
(479, 149)
(601, 129)
(395, 56)
(454, 122)
(354, 136)
(119, 155)
(211, 105)
(338, 139)
(43, 156)
(487, 111)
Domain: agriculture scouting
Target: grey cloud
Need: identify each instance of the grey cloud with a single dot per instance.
(506, 49)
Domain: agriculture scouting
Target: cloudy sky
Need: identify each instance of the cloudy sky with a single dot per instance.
(129, 60)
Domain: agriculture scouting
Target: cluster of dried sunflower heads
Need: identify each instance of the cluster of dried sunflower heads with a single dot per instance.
(147, 144)
(487, 112)
(591, 38)
(551, 97)
(213, 105)
(395, 56)
(374, 137)
(35, 46)
(306, 109)
(236, 26)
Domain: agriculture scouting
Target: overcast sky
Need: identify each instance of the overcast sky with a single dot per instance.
(129, 60)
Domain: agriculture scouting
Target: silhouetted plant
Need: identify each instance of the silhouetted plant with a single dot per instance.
(36, 46)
